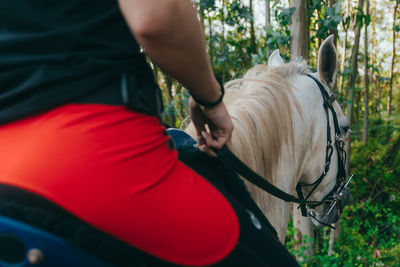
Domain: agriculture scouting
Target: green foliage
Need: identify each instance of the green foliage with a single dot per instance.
(237, 12)
(260, 57)
(329, 20)
(279, 38)
(370, 225)
(283, 15)
(361, 18)
(391, 255)
(346, 22)
(313, 5)
(369, 229)
(276, 39)
(207, 4)
(175, 110)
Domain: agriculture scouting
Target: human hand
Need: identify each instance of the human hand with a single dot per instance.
(219, 124)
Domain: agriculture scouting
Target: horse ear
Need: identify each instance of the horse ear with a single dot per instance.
(327, 61)
(275, 59)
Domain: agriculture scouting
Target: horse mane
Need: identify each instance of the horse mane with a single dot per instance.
(260, 106)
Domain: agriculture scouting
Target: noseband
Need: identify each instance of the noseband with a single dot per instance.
(333, 197)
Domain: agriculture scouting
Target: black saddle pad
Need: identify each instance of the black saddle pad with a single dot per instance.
(223, 177)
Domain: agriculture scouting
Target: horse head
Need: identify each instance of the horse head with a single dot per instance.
(323, 176)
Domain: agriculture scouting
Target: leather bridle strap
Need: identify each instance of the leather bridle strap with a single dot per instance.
(237, 165)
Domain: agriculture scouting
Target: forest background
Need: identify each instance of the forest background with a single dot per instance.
(241, 34)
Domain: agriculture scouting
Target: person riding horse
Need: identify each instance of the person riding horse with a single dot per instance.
(80, 129)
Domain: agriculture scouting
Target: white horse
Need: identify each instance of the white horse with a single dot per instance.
(281, 129)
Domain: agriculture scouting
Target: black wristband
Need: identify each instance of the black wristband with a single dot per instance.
(212, 104)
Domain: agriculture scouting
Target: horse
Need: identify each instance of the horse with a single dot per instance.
(280, 131)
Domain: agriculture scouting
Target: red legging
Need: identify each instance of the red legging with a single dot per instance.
(112, 168)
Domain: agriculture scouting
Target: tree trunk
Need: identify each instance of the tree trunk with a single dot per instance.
(366, 79)
(342, 63)
(299, 50)
(267, 22)
(333, 31)
(305, 230)
(353, 64)
(373, 76)
(352, 81)
(252, 32)
(378, 86)
(333, 236)
(335, 35)
(357, 114)
(389, 103)
(267, 15)
(169, 82)
(318, 41)
(299, 31)
(210, 44)
(373, 52)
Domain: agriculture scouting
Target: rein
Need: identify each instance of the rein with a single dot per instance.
(341, 184)
(237, 165)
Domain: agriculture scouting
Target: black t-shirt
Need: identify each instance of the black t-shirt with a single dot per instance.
(56, 52)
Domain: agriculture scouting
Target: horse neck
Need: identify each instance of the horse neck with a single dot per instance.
(274, 152)
(270, 142)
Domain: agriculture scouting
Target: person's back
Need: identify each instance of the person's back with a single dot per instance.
(53, 53)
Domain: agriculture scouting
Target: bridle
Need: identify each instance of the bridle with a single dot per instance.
(337, 193)
(334, 197)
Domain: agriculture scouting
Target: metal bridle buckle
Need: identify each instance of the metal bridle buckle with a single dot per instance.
(332, 98)
(329, 147)
(338, 195)
(340, 143)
